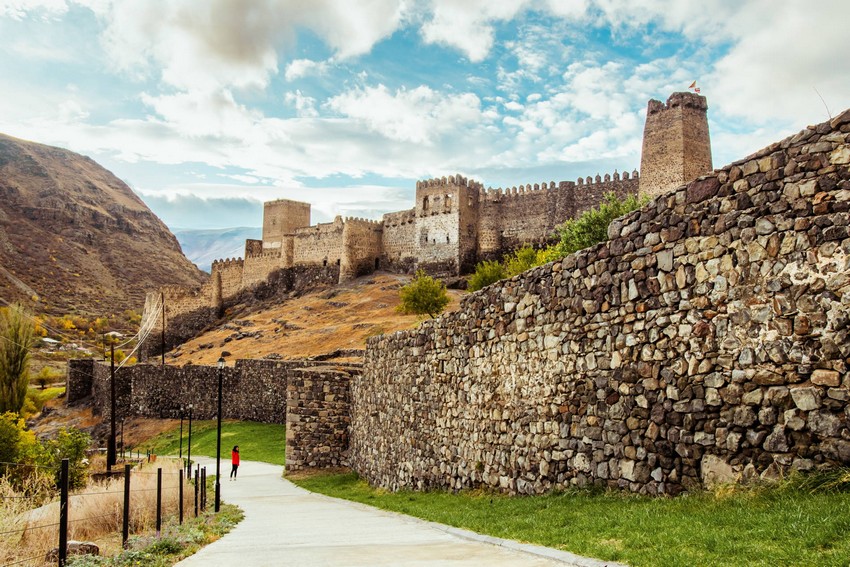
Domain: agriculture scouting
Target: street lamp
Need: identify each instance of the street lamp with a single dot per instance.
(189, 446)
(110, 448)
(218, 441)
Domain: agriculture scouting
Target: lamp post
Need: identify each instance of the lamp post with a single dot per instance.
(189, 445)
(181, 433)
(110, 448)
(218, 440)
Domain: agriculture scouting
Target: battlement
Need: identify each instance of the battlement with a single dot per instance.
(678, 100)
(450, 181)
(268, 253)
(607, 178)
(399, 218)
(366, 222)
(227, 263)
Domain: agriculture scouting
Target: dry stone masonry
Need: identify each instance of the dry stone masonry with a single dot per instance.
(707, 339)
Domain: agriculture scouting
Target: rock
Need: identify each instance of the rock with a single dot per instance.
(715, 471)
(806, 398)
(73, 548)
(825, 378)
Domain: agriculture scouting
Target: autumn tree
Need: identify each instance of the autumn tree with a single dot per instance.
(16, 340)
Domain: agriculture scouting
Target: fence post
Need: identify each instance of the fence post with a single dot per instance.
(125, 524)
(197, 475)
(63, 513)
(204, 489)
(158, 501)
(180, 506)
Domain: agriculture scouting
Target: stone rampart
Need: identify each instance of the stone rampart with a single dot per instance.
(257, 267)
(319, 244)
(399, 241)
(709, 335)
(318, 417)
(230, 272)
(361, 248)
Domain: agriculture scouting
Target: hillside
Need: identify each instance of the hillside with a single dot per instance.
(317, 323)
(75, 238)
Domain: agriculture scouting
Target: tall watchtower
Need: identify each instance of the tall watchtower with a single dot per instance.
(281, 218)
(676, 144)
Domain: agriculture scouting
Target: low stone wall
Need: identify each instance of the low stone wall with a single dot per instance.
(709, 335)
(318, 417)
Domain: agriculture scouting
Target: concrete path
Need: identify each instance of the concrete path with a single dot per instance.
(286, 525)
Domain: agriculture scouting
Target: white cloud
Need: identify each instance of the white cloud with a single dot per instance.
(300, 68)
(304, 105)
(468, 25)
(418, 115)
(20, 9)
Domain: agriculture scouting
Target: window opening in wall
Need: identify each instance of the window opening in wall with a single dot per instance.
(325, 262)
(337, 261)
(447, 239)
(377, 263)
(425, 203)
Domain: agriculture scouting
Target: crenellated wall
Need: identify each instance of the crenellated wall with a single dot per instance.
(319, 244)
(707, 337)
(399, 241)
(229, 272)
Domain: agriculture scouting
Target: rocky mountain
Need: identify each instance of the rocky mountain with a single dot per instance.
(75, 238)
(202, 246)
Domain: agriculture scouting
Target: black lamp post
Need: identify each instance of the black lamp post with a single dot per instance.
(218, 440)
(181, 433)
(189, 446)
(110, 448)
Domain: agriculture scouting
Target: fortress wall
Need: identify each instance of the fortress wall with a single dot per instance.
(318, 418)
(256, 269)
(438, 224)
(362, 248)
(254, 390)
(230, 272)
(399, 241)
(319, 244)
(709, 335)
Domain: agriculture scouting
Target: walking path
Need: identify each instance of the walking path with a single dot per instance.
(286, 525)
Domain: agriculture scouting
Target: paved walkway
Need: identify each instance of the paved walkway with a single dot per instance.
(286, 525)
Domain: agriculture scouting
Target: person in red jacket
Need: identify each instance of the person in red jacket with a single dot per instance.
(234, 460)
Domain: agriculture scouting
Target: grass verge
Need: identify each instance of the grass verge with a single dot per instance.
(257, 441)
(176, 542)
(798, 522)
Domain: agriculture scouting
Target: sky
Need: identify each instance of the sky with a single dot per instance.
(207, 108)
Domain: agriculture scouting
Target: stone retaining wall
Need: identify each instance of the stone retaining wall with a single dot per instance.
(708, 336)
(318, 418)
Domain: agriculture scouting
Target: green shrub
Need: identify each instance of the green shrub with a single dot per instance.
(486, 272)
(592, 226)
(423, 296)
(70, 444)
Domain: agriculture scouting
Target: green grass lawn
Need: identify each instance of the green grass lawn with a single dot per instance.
(257, 441)
(784, 525)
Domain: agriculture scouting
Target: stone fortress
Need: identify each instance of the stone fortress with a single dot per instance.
(454, 224)
(707, 338)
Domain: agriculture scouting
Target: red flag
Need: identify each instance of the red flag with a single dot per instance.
(693, 85)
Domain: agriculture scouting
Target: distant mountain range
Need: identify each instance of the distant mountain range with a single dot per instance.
(75, 238)
(202, 246)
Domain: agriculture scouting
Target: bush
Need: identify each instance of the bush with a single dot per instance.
(486, 272)
(423, 296)
(592, 226)
(70, 444)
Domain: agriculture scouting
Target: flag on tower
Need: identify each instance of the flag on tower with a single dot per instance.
(694, 87)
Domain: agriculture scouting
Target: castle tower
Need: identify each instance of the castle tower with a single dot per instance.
(446, 224)
(676, 144)
(281, 218)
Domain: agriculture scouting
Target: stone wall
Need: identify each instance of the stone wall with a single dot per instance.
(361, 243)
(281, 218)
(257, 268)
(709, 335)
(319, 244)
(254, 390)
(399, 241)
(230, 272)
(318, 417)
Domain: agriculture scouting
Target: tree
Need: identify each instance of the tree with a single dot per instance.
(16, 340)
(424, 295)
(592, 226)
(486, 272)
